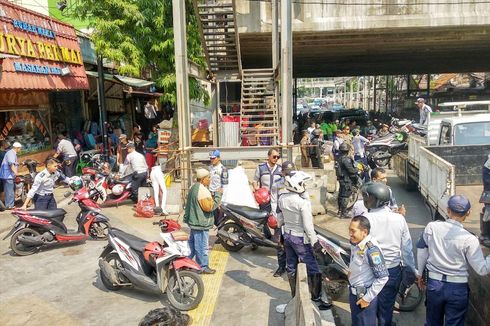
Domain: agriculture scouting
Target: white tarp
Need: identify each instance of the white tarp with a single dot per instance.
(238, 191)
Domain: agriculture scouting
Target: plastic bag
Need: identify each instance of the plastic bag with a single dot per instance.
(238, 191)
(145, 208)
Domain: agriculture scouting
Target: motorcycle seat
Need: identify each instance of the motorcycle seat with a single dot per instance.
(122, 182)
(53, 213)
(254, 214)
(133, 241)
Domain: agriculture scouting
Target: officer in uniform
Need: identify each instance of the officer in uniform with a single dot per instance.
(347, 175)
(316, 149)
(368, 273)
(445, 248)
(299, 235)
(41, 192)
(219, 180)
(485, 199)
(391, 231)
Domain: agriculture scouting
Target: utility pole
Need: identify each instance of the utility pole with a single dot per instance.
(102, 107)
(182, 83)
(286, 75)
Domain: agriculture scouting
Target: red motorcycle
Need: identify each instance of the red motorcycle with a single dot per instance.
(110, 189)
(35, 229)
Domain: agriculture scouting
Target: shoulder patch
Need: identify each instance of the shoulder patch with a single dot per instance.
(42, 174)
(376, 257)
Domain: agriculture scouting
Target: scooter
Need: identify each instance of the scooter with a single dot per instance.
(23, 183)
(157, 267)
(245, 226)
(35, 229)
(380, 151)
(334, 263)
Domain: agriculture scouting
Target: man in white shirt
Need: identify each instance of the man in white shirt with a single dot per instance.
(424, 109)
(136, 163)
(446, 249)
(69, 155)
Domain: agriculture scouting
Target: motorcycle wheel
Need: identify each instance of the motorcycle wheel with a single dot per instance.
(115, 262)
(229, 245)
(99, 230)
(192, 291)
(22, 249)
(381, 163)
(412, 298)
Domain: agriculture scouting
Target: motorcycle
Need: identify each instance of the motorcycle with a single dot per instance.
(120, 188)
(245, 226)
(380, 150)
(158, 267)
(35, 229)
(485, 218)
(23, 183)
(334, 263)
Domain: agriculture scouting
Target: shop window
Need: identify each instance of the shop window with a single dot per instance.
(28, 127)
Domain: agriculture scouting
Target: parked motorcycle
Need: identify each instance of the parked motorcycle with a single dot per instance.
(334, 264)
(35, 229)
(23, 183)
(158, 267)
(111, 189)
(380, 150)
(245, 226)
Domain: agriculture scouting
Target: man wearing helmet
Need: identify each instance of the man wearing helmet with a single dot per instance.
(316, 149)
(446, 249)
(391, 231)
(299, 235)
(41, 192)
(347, 175)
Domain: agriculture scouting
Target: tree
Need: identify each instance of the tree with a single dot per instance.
(138, 36)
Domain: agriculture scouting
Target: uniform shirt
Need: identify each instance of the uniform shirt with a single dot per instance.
(137, 163)
(44, 183)
(391, 231)
(66, 148)
(296, 216)
(9, 159)
(358, 143)
(424, 113)
(450, 249)
(216, 172)
(367, 267)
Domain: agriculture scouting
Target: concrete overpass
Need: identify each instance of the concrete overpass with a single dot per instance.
(372, 38)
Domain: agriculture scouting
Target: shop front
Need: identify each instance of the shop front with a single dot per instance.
(40, 67)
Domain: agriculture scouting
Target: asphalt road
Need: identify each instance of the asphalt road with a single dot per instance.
(417, 217)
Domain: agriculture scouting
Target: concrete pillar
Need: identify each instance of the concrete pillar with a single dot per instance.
(275, 34)
(286, 74)
(183, 109)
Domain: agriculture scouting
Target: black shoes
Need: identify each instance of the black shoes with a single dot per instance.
(279, 272)
(315, 284)
(208, 270)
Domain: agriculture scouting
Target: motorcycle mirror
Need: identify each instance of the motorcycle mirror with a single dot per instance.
(67, 194)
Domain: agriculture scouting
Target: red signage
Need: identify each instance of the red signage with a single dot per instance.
(38, 52)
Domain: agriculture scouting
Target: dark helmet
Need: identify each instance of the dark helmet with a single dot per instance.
(344, 148)
(316, 132)
(376, 190)
(287, 167)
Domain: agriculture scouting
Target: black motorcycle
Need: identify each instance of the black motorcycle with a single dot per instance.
(23, 183)
(244, 226)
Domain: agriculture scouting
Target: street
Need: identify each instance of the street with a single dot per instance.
(61, 285)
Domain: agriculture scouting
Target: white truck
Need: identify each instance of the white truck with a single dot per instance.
(450, 164)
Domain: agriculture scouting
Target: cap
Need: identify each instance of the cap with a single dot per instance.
(459, 204)
(420, 100)
(287, 166)
(201, 173)
(123, 136)
(215, 153)
(17, 144)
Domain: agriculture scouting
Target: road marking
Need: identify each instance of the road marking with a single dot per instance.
(201, 316)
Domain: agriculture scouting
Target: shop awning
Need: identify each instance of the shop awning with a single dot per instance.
(130, 81)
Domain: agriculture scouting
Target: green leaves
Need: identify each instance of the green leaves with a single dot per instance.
(138, 36)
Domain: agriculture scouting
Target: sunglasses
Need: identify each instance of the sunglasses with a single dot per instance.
(276, 156)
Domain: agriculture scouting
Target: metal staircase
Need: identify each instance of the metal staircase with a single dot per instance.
(259, 115)
(220, 37)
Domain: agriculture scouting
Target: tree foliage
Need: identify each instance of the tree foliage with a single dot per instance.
(138, 36)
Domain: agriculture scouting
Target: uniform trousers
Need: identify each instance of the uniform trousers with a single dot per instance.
(363, 317)
(297, 251)
(387, 296)
(446, 303)
(45, 202)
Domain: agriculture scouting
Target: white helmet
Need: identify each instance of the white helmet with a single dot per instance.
(295, 182)
(118, 189)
